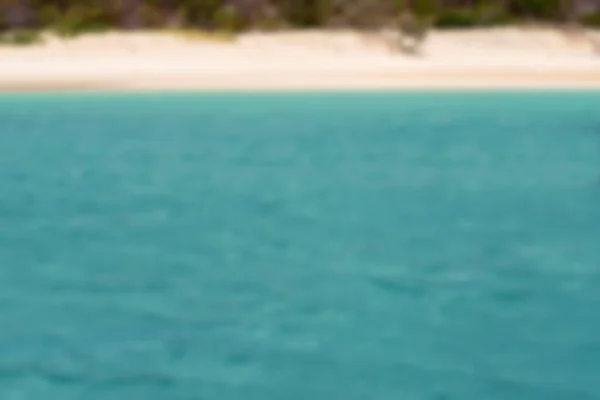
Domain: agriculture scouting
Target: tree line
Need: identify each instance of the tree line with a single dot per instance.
(76, 16)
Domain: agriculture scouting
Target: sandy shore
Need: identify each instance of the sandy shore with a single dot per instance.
(482, 59)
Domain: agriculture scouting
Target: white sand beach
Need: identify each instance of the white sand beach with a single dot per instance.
(473, 59)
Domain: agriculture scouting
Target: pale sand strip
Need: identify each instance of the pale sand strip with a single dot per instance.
(468, 79)
(489, 59)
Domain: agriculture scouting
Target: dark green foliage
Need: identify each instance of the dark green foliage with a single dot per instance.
(591, 20)
(539, 9)
(80, 19)
(457, 18)
(48, 16)
(20, 37)
(202, 13)
(227, 19)
(483, 14)
(72, 17)
(307, 13)
(492, 13)
(424, 8)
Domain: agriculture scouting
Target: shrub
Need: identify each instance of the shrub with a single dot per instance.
(591, 20)
(484, 14)
(79, 19)
(227, 19)
(21, 37)
(200, 13)
(424, 8)
(457, 18)
(49, 15)
(491, 13)
(539, 9)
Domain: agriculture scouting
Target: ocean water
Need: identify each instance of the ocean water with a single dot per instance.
(300, 246)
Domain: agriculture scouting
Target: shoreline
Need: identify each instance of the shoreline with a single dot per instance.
(310, 82)
(494, 59)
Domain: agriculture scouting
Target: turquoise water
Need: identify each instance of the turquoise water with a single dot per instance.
(372, 246)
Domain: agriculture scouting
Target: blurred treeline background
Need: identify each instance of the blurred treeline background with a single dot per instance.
(78, 16)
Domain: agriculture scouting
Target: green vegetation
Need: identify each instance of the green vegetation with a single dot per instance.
(458, 18)
(73, 17)
(79, 19)
(227, 19)
(20, 37)
(591, 20)
(423, 8)
(484, 14)
(553, 10)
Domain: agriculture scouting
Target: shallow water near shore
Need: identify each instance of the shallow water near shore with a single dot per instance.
(300, 246)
